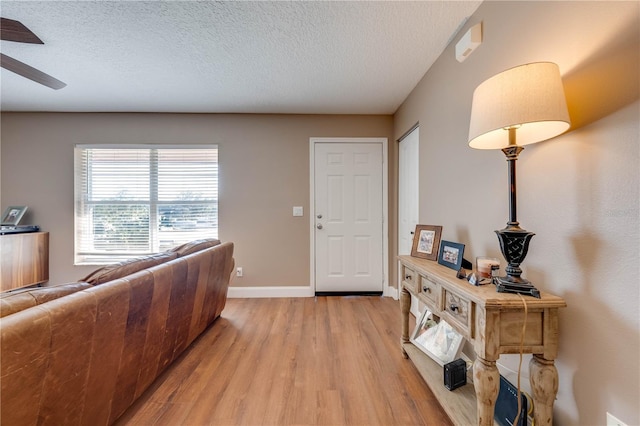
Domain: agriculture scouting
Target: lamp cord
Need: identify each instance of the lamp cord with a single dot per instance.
(524, 329)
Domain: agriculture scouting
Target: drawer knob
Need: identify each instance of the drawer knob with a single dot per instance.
(426, 289)
(408, 277)
(453, 307)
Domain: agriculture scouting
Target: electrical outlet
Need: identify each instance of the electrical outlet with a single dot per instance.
(239, 271)
(613, 421)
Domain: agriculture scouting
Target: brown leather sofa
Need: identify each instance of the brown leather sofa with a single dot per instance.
(82, 353)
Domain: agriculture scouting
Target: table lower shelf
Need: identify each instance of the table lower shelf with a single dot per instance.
(459, 404)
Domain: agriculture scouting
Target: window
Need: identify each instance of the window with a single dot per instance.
(132, 200)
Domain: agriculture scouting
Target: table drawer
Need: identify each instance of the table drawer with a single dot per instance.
(458, 311)
(410, 279)
(430, 290)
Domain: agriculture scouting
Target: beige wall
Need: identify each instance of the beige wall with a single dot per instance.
(579, 192)
(264, 172)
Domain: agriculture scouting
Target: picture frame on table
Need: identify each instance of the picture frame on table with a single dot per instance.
(12, 215)
(451, 254)
(436, 338)
(426, 241)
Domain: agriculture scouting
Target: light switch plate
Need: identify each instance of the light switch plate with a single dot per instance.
(298, 211)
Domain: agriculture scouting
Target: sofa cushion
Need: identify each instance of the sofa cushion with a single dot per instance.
(194, 246)
(16, 301)
(25, 347)
(127, 267)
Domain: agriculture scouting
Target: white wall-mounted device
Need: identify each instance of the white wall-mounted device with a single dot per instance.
(469, 42)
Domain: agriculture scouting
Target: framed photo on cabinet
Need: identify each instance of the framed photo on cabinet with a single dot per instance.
(13, 214)
(426, 241)
(451, 255)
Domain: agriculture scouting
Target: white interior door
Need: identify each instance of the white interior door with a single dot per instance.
(408, 190)
(348, 217)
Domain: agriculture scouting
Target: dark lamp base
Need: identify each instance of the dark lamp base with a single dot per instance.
(514, 244)
(522, 286)
(514, 241)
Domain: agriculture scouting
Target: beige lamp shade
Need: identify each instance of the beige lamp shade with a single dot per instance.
(528, 97)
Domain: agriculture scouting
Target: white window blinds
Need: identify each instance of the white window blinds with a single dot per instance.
(132, 200)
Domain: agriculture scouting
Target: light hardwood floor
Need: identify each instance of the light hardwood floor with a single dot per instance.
(301, 361)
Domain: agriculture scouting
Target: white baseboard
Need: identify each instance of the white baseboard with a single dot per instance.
(391, 292)
(266, 292)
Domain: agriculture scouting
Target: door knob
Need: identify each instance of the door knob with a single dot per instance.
(319, 216)
(319, 226)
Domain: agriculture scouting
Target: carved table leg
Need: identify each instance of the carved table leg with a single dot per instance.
(486, 380)
(544, 384)
(405, 306)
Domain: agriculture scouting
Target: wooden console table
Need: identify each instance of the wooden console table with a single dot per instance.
(492, 322)
(24, 260)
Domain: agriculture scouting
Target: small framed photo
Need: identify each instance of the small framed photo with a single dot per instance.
(437, 338)
(426, 241)
(13, 214)
(451, 255)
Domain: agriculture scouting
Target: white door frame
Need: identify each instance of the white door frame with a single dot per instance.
(414, 309)
(415, 161)
(385, 205)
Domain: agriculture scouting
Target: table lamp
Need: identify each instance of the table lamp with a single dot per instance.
(528, 102)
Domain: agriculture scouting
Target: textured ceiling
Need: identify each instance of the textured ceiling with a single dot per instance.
(238, 57)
